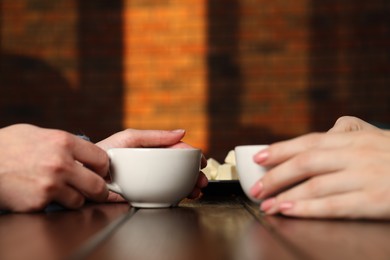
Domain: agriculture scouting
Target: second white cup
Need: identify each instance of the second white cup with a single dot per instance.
(249, 172)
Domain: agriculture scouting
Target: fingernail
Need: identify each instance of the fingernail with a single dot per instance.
(256, 189)
(286, 205)
(267, 204)
(178, 131)
(261, 156)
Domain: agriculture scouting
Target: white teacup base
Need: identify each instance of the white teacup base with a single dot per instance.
(151, 205)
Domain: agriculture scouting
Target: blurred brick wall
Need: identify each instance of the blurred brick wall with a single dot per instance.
(61, 65)
(39, 62)
(349, 61)
(230, 72)
(258, 71)
(166, 84)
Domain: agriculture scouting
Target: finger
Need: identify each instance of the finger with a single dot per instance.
(279, 152)
(114, 197)
(347, 205)
(202, 180)
(184, 145)
(201, 183)
(142, 138)
(321, 186)
(300, 168)
(203, 162)
(69, 197)
(156, 138)
(90, 155)
(88, 183)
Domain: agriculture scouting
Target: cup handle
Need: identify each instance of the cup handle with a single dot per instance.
(114, 187)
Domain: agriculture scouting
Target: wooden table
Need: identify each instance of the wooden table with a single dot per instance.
(213, 227)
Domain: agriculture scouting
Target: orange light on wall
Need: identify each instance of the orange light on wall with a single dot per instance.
(164, 66)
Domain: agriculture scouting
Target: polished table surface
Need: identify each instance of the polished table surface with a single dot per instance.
(213, 227)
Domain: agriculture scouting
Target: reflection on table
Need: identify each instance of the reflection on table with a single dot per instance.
(213, 227)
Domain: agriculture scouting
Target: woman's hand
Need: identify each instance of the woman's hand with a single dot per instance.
(328, 175)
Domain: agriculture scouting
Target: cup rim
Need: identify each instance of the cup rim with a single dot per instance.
(159, 150)
(170, 149)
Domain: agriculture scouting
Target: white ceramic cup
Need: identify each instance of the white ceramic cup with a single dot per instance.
(248, 171)
(154, 177)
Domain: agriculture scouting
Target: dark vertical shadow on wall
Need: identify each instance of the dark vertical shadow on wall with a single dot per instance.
(323, 79)
(100, 34)
(1, 26)
(350, 61)
(224, 77)
(34, 92)
(370, 62)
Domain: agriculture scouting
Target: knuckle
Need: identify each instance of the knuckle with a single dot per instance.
(303, 162)
(129, 136)
(333, 205)
(345, 120)
(312, 139)
(102, 162)
(130, 132)
(62, 139)
(47, 187)
(348, 123)
(55, 165)
(313, 187)
(269, 179)
(284, 196)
